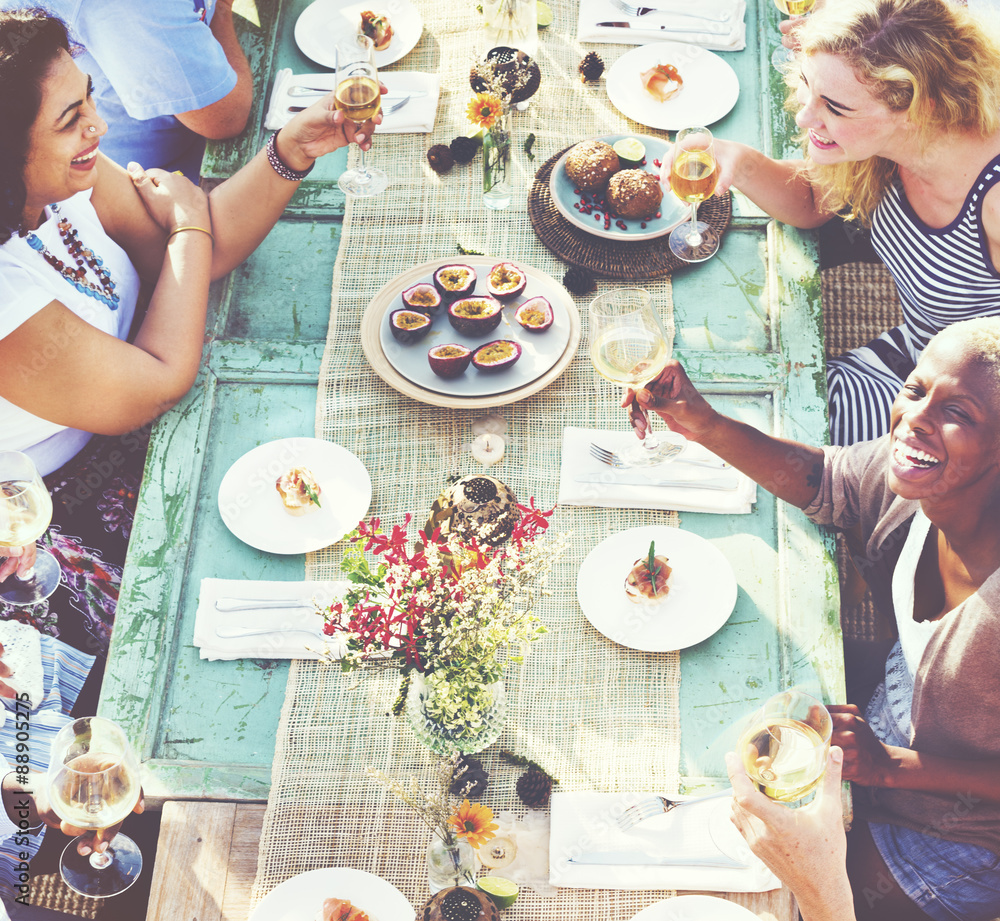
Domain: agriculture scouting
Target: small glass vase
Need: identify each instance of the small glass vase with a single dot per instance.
(457, 737)
(511, 23)
(498, 190)
(450, 863)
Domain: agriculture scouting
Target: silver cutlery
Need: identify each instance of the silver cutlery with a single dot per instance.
(229, 633)
(631, 10)
(641, 859)
(729, 483)
(657, 805)
(613, 460)
(261, 604)
(710, 28)
(385, 111)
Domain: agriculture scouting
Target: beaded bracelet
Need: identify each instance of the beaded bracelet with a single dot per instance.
(174, 233)
(279, 165)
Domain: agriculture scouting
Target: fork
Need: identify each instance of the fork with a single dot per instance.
(613, 460)
(658, 805)
(631, 10)
(385, 111)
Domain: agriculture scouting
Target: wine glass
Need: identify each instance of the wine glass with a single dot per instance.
(785, 745)
(25, 513)
(783, 57)
(93, 780)
(629, 346)
(694, 175)
(358, 96)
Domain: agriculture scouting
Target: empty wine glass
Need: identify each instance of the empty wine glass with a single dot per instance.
(25, 513)
(93, 782)
(358, 96)
(629, 346)
(694, 175)
(783, 58)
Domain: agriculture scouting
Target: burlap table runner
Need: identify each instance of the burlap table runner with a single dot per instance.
(596, 715)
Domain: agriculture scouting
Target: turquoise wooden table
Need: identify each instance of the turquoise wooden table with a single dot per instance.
(748, 326)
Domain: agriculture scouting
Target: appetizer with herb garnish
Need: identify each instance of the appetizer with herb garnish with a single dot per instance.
(299, 491)
(647, 582)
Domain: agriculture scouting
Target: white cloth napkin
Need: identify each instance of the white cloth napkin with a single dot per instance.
(416, 117)
(582, 822)
(595, 11)
(609, 493)
(274, 645)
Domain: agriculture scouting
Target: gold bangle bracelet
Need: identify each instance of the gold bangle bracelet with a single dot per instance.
(174, 233)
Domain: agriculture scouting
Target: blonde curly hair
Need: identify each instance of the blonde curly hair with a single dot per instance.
(931, 59)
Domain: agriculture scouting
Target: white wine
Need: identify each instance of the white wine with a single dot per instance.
(629, 355)
(694, 175)
(785, 757)
(795, 7)
(88, 797)
(359, 98)
(25, 511)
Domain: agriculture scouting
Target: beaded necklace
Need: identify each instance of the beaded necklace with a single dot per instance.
(84, 257)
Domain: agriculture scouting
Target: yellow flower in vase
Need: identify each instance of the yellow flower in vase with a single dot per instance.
(484, 110)
(474, 822)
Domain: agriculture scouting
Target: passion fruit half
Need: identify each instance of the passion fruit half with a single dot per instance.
(475, 316)
(455, 281)
(408, 326)
(422, 297)
(495, 356)
(449, 360)
(535, 315)
(506, 281)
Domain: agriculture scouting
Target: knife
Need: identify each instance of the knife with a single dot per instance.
(261, 604)
(625, 480)
(229, 633)
(708, 28)
(639, 859)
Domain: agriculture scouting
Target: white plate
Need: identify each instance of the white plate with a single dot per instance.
(710, 90)
(301, 897)
(252, 509)
(701, 598)
(672, 209)
(694, 908)
(323, 23)
(539, 351)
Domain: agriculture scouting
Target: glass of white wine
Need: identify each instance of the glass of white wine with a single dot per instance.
(93, 782)
(783, 58)
(694, 175)
(785, 745)
(358, 96)
(25, 513)
(629, 346)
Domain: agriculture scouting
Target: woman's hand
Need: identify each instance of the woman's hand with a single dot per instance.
(867, 761)
(171, 200)
(16, 559)
(673, 397)
(727, 157)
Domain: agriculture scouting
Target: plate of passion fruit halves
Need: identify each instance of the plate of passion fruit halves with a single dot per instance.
(471, 332)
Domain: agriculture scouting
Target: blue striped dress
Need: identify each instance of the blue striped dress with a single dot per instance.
(943, 275)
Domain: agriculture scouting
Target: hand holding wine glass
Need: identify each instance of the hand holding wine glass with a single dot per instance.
(359, 96)
(694, 175)
(783, 57)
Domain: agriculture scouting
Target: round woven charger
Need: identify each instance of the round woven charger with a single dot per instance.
(611, 258)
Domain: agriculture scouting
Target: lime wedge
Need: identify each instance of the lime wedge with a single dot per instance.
(631, 152)
(544, 15)
(502, 891)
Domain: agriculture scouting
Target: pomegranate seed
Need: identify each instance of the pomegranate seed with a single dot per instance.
(621, 224)
(597, 217)
(643, 162)
(576, 192)
(657, 163)
(643, 225)
(658, 214)
(576, 205)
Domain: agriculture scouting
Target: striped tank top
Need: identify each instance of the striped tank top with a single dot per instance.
(945, 274)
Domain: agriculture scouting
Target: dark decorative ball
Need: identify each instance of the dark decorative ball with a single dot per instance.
(463, 149)
(534, 787)
(459, 903)
(470, 778)
(579, 280)
(440, 158)
(512, 72)
(591, 67)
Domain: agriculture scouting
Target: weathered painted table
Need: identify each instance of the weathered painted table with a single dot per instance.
(748, 325)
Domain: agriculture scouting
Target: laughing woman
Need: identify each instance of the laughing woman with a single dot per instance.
(926, 499)
(81, 369)
(899, 102)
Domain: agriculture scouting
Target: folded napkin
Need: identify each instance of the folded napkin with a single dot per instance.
(644, 29)
(282, 643)
(416, 117)
(608, 491)
(582, 822)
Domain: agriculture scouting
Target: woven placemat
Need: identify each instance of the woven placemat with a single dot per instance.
(610, 258)
(49, 891)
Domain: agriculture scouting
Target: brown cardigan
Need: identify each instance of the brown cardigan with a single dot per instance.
(956, 694)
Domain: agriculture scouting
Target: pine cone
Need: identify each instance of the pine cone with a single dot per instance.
(463, 149)
(534, 787)
(578, 280)
(591, 67)
(469, 778)
(440, 158)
